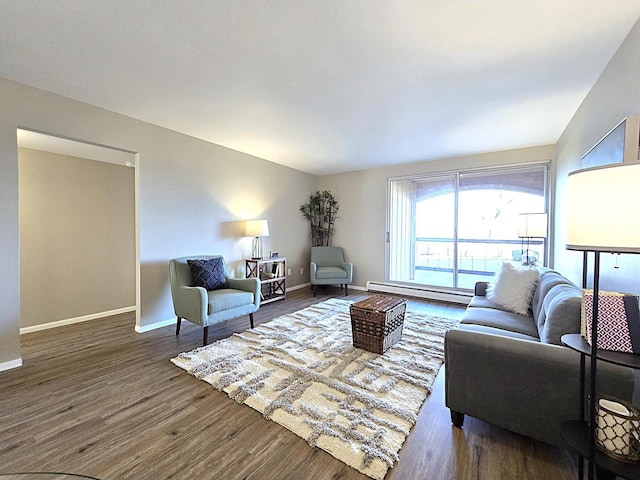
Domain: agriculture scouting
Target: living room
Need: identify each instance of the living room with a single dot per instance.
(190, 192)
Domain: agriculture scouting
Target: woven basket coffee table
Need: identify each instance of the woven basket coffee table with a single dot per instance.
(376, 322)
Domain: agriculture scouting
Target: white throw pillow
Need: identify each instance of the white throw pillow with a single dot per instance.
(513, 288)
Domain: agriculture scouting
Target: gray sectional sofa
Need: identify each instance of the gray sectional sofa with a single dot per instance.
(512, 371)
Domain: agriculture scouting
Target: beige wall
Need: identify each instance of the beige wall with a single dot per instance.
(193, 193)
(9, 248)
(77, 237)
(192, 196)
(361, 226)
(615, 95)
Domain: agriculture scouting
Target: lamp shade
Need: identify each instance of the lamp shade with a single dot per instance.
(256, 228)
(603, 206)
(532, 225)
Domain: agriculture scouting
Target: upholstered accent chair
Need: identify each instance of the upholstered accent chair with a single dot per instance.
(329, 268)
(223, 298)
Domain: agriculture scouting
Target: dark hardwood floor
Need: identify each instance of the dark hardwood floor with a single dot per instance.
(101, 400)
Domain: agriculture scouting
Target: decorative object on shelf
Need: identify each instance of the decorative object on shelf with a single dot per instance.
(256, 229)
(618, 429)
(321, 211)
(619, 324)
(532, 225)
(599, 200)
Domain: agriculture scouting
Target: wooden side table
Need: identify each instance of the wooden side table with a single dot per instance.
(272, 273)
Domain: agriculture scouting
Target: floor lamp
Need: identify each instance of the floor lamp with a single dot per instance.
(601, 202)
(532, 225)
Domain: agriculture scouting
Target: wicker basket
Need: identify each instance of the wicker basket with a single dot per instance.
(618, 429)
(376, 323)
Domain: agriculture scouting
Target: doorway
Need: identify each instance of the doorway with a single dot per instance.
(79, 235)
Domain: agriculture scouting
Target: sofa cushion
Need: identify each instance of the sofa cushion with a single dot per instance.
(513, 288)
(496, 331)
(507, 321)
(484, 302)
(548, 279)
(227, 299)
(560, 313)
(209, 273)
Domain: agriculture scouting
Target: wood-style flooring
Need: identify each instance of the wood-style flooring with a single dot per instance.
(99, 399)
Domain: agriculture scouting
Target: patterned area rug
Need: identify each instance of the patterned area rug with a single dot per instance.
(302, 371)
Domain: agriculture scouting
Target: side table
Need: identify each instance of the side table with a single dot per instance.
(580, 434)
(272, 273)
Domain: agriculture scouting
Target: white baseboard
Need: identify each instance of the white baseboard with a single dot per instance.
(298, 287)
(69, 321)
(10, 364)
(443, 296)
(172, 321)
(357, 287)
(153, 326)
(308, 285)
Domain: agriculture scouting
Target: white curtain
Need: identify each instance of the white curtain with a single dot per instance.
(402, 230)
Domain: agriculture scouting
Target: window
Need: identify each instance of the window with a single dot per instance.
(451, 230)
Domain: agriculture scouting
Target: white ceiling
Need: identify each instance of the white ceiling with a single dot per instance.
(325, 86)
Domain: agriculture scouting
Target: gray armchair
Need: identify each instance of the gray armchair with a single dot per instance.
(240, 296)
(329, 268)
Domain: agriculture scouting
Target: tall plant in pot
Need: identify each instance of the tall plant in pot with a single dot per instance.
(321, 210)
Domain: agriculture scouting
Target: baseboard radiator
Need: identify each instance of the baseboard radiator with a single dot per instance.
(421, 292)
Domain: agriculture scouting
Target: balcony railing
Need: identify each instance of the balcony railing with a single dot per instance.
(477, 258)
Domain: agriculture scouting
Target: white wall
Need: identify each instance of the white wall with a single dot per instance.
(192, 196)
(615, 95)
(361, 226)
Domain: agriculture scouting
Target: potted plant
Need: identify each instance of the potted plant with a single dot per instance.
(321, 211)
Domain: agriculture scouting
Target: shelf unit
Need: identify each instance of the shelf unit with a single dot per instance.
(579, 433)
(272, 273)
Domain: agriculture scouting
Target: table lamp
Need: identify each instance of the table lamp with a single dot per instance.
(532, 225)
(256, 229)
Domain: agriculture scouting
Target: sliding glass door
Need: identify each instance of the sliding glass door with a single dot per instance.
(452, 230)
(422, 230)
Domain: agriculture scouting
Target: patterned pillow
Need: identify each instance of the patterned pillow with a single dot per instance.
(208, 273)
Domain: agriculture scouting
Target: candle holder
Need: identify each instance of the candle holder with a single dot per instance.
(618, 429)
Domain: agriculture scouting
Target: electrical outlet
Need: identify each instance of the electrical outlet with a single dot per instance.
(301, 270)
(288, 271)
